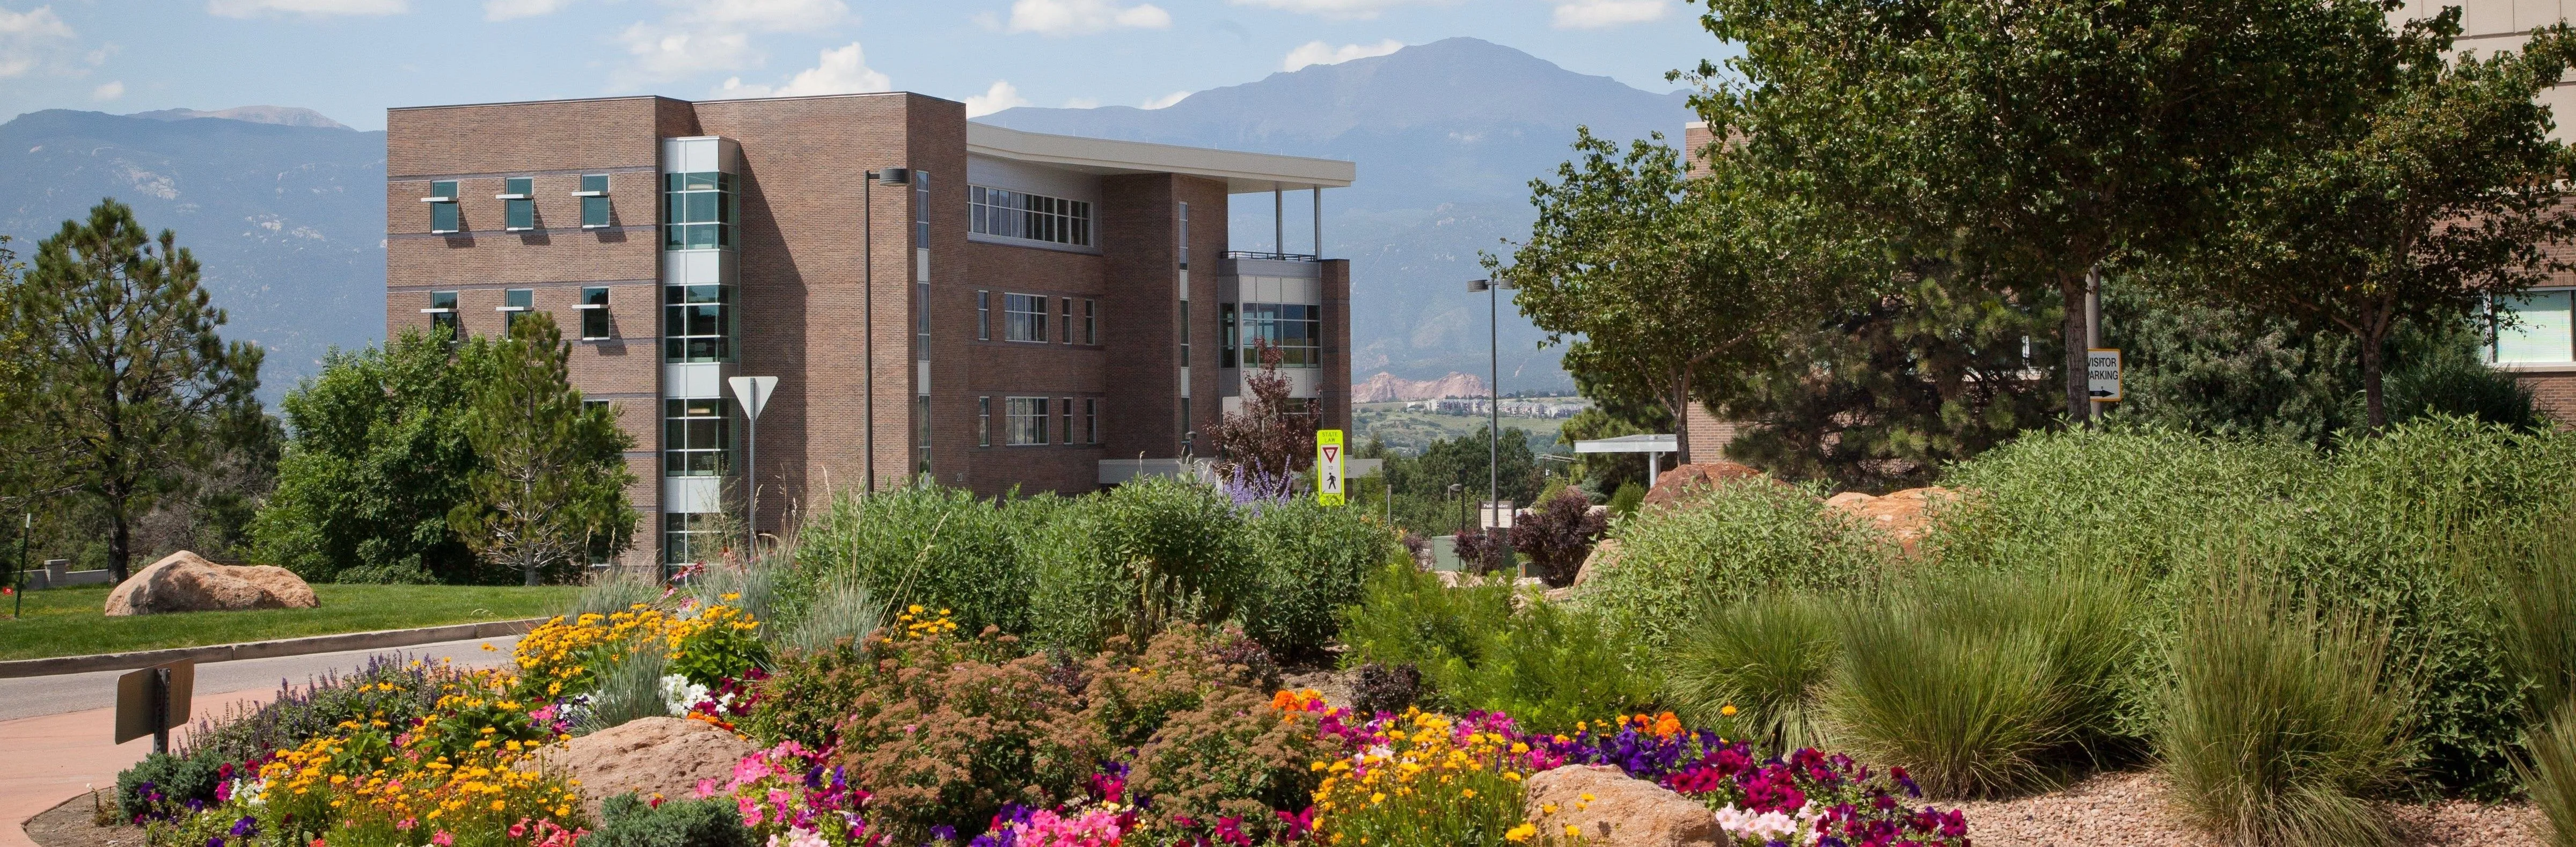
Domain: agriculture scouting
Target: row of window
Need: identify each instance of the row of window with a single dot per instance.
(1024, 421)
(445, 320)
(518, 204)
(1024, 318)
(1035, 217)
(1296, 330)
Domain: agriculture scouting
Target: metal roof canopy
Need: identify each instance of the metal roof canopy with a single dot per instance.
(1243, 173)
(1654, 446)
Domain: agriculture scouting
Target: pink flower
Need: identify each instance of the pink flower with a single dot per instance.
(441, 838)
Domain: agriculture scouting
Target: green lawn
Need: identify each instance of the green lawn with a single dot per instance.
(66, 621)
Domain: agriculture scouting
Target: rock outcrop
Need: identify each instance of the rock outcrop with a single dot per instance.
(647, 756)
(1685, 482)
(1904, 515)
(186, 582)
(1612, 810)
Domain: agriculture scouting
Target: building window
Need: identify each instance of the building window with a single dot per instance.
(697, 211)
(1185, 236)
(514, 303)
(444, 215)
(1296, 330)
(518, 203)
(594, 200)
(690, 537)
(921, 219)
(697, 323)
(1028, 421)
(983, 316)
(1185, 423)
(1064, 333)
(983, 421)
(442, 314)
(1064, 421)
(1185, 332)
(1226, 337)
(921, 322)
(2535, 327)
(921, 432)
(1091, 421)
(697, 436)
(1024, 317)
(1013, 214)
(1090, 321)
(594, 313)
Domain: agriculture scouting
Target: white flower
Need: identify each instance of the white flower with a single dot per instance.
(1767, 826)
(678, 694)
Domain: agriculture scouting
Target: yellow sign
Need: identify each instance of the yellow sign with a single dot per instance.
(1328, 467)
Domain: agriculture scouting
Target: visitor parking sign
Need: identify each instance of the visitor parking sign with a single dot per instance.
(1328, 467)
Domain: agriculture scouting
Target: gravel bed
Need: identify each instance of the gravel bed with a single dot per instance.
(2129, 810)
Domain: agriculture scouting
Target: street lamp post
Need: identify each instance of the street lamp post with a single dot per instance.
(1494, 398)
(868, 309)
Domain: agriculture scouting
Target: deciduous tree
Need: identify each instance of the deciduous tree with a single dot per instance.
(130, 371)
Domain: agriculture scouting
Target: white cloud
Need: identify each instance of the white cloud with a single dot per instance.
(1166, 100)
(1320, 53)
(1599, 14)
(318, 8)
(502, 10)
(1341, 9)
(1001, 96)
(714, 36)
(840, 70)
(31, 38)
(110, 91)
(1076, 17)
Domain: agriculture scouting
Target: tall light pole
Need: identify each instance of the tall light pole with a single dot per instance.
(868, 307)
(1494, 396)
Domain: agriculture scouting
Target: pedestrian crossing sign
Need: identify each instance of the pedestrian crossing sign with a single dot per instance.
(1328, 467)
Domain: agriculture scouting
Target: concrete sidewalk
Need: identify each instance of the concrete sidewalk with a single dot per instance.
(58, 744)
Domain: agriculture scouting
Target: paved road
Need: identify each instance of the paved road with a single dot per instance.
(26, 697)
(55, 729)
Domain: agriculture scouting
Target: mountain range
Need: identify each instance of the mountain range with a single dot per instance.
(285, 207)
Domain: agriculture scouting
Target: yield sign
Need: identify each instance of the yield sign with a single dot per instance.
(1328, 467)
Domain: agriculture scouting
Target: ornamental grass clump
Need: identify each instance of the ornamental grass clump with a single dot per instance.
(2280, 719)
(2548, 773)
(1765, 664)
(1744, 538)
(1985, 686)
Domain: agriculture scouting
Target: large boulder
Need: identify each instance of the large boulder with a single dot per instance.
(647, 756)
(1687, 482)
(1612, 810)
(1905, 515)
(186, 582)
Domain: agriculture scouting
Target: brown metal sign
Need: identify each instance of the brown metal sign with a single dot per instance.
(153, 700)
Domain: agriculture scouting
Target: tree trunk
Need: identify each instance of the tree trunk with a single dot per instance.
(1681, 422)
(120, 540)
(2079, 400)
(2375, 399)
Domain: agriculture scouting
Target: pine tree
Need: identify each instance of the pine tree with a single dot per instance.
(549, 489)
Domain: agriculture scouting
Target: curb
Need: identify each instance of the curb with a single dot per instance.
(267, 649)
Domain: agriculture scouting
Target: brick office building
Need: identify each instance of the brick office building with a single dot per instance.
(1048, 313)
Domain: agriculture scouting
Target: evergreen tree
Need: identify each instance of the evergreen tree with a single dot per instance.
(379, 458)
(549, 488)
(129, 370)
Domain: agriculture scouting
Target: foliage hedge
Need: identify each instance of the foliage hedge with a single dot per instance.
(1745, 537)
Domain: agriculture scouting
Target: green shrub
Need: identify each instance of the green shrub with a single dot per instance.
(629, 822)
(1149, 553)
(1743, 539)
(948, 728)
(162, 784)
(629, 687)
(2549, 773)
(1624, 502)
(807, 694)
(1547, 666)
(1312, 562)
(1207, 743)
(938, 547)
(1768, 657)
(2280, 719)
(2451, 377)
(1984, 685)
(1407, 617)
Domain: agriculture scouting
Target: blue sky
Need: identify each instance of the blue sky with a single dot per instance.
(351, 59)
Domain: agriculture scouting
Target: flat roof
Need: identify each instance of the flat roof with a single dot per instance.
(1243, 173)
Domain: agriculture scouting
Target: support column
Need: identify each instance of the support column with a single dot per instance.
(1319, 220)
(1278, 219)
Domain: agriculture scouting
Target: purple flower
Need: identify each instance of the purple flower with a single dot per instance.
(943, 832)
(246, 827)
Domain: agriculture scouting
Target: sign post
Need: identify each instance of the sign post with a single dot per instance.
(753, 393)
(2102, 374)
(152, 700)
(1328, 467)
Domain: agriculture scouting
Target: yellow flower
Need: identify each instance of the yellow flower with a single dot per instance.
(1728, 710)
(1523, 832)
(1572, 831)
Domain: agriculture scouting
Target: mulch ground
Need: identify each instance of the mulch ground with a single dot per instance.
(69, 825)
(2130, 810)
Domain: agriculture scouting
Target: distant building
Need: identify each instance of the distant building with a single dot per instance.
(1037, 312)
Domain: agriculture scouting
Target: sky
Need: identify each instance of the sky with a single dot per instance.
(352, 59)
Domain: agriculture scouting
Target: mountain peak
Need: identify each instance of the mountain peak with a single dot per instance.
(279, 115)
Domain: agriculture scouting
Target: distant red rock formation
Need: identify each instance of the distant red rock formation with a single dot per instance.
(1387, 388)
